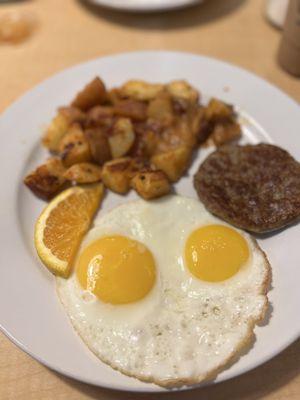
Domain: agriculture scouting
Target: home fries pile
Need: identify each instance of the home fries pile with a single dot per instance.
(140, 135)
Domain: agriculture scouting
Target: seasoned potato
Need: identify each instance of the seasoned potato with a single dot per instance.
(116, 174)
(100, 116)
(174, 162)
(99, 146)
(179, 134)
(59, 126)
(218, 110)
(47, 180)
(151, 184)
(136, 110)
(74, 147)
(94, 93)
(225, 132)
(181, 90)
(121, 138)
(147, 136)
(83, 173)
(195, 117)
(160, 109)
(140, 90)
(114, 96)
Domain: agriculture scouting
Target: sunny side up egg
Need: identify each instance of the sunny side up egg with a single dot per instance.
(165, 292)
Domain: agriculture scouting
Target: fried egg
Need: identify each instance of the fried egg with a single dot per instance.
(165, 292)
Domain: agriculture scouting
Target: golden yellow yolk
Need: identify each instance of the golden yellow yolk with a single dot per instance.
(118, 270)
(215, 252)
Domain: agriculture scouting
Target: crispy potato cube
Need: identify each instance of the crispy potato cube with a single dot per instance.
(121, 138)
(136, 110)
(147, 136)
(182, 91)
(73, 135)
(83, 173)
(161, 109)
(140, 90)
(225, 132)
(173, 162)
(218, 110)
(99, 146)
(116, 174)
(47, 180)
(59, 126)
(76, 153)
(100, 116)
(93, 93)
(74, 147)
(151, 184)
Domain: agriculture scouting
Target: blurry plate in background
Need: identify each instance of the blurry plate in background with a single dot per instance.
(144, 5)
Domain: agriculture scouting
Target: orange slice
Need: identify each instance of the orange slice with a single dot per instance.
(62, 225)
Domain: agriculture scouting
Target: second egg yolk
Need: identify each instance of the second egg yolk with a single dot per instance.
(116, 269)
(215, 252)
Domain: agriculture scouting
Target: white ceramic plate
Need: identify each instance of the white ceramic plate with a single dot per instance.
(30, 312)
(145, 5)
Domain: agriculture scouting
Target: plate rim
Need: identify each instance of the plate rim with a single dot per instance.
(78, 66)
(142, 7)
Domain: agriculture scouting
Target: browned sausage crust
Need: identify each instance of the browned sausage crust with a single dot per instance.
(255, 187)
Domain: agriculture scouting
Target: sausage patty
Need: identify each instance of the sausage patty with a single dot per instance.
(255, 187)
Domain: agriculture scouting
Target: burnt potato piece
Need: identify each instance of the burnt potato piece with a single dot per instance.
(47, 179)
(255, 187)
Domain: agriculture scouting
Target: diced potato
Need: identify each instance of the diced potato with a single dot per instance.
(160, 109)
(114, 96)
(116, 174)
(174, 162)
(218, 110)
(47, 180)
(151, 184)
(59, 126)
(181, 90)
(74, 147)
(140, 90)
(195, 117)
(93, 94)
(225, 132)
(121, 138)
(183, 130)
(83, 173)
(150, 141)
(99, 146)
(73, 135)
(100, 116)
(136, 110)
(147, 136)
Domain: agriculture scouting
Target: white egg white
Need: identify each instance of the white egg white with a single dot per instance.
(185, 329)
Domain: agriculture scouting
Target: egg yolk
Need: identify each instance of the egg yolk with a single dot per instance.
(215, 252)
(116, 269)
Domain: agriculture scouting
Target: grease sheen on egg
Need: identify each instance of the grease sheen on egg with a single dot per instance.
(118, 270)
(182, 328)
